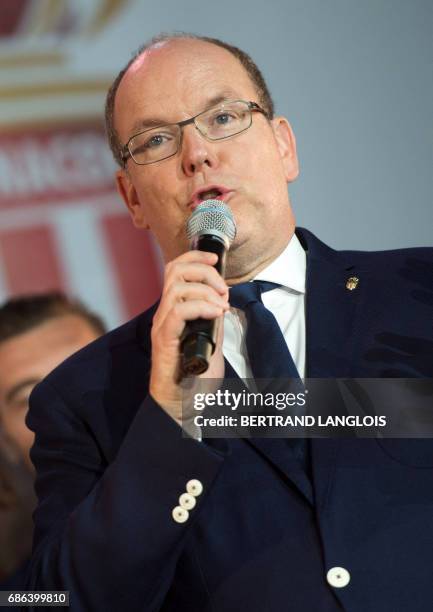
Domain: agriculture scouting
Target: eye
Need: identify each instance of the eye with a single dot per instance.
(155, 140)
(223, 118)
(150, 141)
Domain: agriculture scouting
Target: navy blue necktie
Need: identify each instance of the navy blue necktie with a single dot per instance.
(267, 350)
(268, 353)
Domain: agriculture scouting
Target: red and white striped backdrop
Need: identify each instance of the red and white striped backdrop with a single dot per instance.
(62, 224)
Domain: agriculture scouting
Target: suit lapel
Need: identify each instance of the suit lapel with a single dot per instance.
(277, 451)
(332, 309)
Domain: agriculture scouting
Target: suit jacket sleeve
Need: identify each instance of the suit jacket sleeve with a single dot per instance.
(104, 529)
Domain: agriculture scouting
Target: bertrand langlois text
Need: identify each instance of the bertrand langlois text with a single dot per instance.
(275, 420)
(248, 401)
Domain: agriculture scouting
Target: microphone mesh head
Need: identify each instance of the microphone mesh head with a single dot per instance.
(210, 217)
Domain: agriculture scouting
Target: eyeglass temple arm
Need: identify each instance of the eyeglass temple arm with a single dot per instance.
(253, 106)
(125, 154)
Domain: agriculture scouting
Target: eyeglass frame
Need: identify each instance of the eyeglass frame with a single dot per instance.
(125, 153)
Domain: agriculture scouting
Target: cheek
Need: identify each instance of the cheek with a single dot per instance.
(156, 199)
(263, 166)
(160, 200)
(159, 181)
(15, 426)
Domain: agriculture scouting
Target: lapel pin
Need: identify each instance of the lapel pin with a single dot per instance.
(352, 283)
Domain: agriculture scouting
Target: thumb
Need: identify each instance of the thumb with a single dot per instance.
(220, 334)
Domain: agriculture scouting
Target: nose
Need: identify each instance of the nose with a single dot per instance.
(196, 151)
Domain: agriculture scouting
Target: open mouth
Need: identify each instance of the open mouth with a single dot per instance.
(211, 194)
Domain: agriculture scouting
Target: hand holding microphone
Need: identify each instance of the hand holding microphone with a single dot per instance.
(185, 338)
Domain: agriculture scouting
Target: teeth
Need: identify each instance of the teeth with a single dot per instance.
(208, 195)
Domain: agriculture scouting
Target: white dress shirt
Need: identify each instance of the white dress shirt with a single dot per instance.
(287, 304)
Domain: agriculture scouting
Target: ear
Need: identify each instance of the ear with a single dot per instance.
(129, 195)
(286, 144)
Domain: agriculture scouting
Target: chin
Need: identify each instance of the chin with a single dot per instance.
(241, 256)
(240, 242)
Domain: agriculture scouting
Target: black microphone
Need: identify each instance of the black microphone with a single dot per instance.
(211, 228)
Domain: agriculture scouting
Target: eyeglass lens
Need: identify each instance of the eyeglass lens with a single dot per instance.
(215, 124)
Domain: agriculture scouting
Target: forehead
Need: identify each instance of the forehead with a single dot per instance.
(176, 79)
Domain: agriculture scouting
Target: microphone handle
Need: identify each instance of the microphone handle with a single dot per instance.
(198, 339)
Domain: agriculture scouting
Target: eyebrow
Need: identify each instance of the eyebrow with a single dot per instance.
(16, 389)
(150, 122)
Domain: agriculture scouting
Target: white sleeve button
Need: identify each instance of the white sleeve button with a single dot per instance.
(187, 501)
(194, 487)
(179, 514)
(338, 577)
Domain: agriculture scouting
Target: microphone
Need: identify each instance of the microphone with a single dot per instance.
(211, 228)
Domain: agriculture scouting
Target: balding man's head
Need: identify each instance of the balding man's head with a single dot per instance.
(246, 61)
(173, 161)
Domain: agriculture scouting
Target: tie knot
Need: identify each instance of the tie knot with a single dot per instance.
(246, 293)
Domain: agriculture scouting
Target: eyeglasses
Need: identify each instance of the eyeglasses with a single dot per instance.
(217, 123)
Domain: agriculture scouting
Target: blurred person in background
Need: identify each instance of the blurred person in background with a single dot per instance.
(37, 333)
(17, 500)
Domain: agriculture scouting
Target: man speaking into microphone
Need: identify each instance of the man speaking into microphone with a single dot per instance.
(136, 515)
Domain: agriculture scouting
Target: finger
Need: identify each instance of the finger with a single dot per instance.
(168, 329)
(220, 334)
(182, 291)
(178, 290)
(198, 256)
(194, 272)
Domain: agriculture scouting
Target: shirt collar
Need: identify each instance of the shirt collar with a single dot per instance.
(289, 268)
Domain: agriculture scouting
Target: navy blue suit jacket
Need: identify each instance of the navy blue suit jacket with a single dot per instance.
(111, 466)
